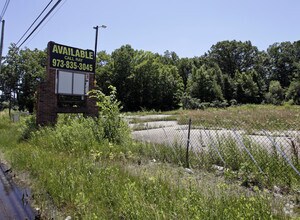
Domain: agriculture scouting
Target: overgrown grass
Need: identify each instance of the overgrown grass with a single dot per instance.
(260, 167)
(86, 176)
(269, 169)
(247, 117)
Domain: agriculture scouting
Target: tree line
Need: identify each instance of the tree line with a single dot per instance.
(230, 73)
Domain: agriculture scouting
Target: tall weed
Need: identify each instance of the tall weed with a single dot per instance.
(114, 127)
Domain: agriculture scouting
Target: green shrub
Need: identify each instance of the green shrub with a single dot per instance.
(293, 92)
(189, 102)
(114, 127)
(76, 133)
(275, 95)
(28, 127)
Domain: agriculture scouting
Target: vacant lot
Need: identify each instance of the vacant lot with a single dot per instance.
(265, 137)
(101, 178)
(265, 126)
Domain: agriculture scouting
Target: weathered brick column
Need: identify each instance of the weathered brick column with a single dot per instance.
(46, 98)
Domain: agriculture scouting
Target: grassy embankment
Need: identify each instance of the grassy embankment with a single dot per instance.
(85, 175)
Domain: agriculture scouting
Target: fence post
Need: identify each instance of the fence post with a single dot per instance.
(188, 144)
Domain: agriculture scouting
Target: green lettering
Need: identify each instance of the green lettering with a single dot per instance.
(57, 49)
(54, 49)
(82, 54)
(77, 53)
(72, 52)
(60, 49)
(69, 51)
(65, 51)
(90, 55)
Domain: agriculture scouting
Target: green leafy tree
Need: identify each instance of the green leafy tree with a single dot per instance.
(203, 84)
(170, 87)
(122, 60)
(185, 66)
(155, 85)
(260, 77)
(247, 90)
(276, 93)
(233, 56)
(282, 62)
(10, 76)
(170, 58)
(32, 69)
(296, 63)
(21, 74)
(144, 80)
(104, 71)
(293, 92)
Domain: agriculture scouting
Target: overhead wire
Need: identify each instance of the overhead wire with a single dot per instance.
(35, 21)
(46, 23)
(4, 9)
(56, 4)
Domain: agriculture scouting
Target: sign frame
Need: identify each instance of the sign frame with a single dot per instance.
(76, 85)
(71, 58)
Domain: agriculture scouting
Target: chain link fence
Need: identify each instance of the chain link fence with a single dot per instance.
(252, 153)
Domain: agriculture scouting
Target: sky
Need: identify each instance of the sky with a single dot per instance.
(187, 27)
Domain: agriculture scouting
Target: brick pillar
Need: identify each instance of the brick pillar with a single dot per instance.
(46, 97)
(47, 100)
(92, 109)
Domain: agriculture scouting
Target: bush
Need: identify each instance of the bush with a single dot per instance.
(71, 134)
(293, 92)
(275, 95)
(28, 127)
(74, 132)
(219, 104)
(191, 103)
(233, 102)
(115, 128)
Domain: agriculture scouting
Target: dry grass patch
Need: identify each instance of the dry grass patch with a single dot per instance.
(256, 117)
